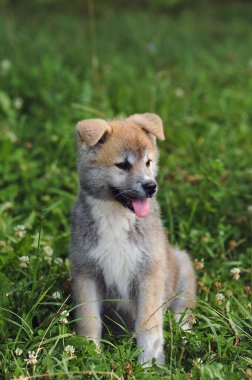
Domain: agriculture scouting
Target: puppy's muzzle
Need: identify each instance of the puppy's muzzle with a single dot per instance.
(149, 187)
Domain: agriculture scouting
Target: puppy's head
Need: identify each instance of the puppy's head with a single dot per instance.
(118, 159)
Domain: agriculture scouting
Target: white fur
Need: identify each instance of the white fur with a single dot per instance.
(152, 346)
(117, 256)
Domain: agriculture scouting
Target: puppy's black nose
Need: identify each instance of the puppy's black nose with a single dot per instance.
(149, 187)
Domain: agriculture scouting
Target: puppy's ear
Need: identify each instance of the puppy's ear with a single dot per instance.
(90, 131)
(151, 122)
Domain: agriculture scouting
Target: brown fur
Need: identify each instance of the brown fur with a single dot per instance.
(167, 277)
(132, 136)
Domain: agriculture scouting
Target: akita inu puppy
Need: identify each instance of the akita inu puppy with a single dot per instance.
(119, 248)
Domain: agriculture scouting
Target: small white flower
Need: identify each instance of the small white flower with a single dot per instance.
(24, 261)
(5, 65)
(18, 103)
(18, 351)
(48, 250)
(48, 253)
(70, 350)
(197, 363)
(236, 273)
(64, 316)
(32, 358)
(65, 313)
(8, 294)
(58, 261)
(20, 231)
(219, 298)
(179, 92)
(56, 295)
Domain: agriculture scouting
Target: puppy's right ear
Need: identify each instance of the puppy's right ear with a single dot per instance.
(90, 131)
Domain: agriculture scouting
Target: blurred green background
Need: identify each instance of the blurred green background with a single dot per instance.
(188, 61)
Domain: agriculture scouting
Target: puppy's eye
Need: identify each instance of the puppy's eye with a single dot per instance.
(148, 163)
(124, 165)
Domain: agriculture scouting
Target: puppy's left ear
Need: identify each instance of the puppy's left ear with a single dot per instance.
(151, 122)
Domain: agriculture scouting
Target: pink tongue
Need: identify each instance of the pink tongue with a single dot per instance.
(141, 207)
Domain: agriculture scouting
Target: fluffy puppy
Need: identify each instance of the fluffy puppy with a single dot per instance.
(118, 247)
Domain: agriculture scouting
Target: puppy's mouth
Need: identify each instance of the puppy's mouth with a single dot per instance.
(140, 206)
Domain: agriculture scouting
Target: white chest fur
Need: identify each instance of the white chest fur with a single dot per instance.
(116, 254)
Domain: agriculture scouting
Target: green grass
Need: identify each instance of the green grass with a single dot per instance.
(193, 68)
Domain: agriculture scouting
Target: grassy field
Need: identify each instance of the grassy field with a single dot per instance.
(193, 68)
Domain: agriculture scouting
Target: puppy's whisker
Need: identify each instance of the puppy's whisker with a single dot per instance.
(122, 193)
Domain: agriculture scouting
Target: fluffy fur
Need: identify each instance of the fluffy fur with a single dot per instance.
(114, 252)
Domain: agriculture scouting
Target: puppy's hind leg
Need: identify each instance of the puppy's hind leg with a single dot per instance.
(185, 289)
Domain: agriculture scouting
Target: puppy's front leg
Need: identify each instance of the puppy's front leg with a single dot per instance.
(149, 317)
(88, 307)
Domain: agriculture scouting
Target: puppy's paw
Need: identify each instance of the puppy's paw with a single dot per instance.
(152, 347)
